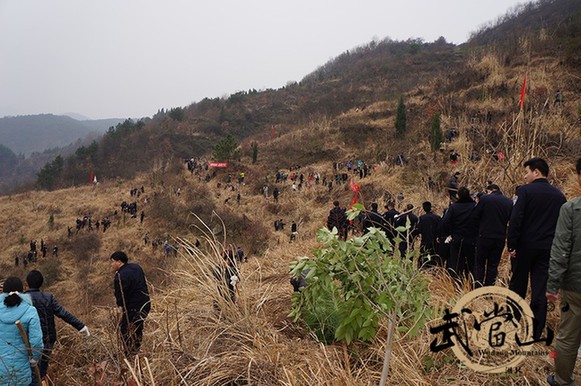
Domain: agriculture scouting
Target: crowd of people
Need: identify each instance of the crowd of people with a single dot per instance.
(538, 231)
(27, 321)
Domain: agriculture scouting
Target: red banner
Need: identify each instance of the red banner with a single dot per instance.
(218, 164)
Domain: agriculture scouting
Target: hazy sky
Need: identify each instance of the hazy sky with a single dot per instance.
(129, 58)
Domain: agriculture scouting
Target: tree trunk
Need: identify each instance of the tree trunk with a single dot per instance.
(387, 357)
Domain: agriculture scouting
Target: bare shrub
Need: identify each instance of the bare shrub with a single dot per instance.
(84, 246)
(51, 270)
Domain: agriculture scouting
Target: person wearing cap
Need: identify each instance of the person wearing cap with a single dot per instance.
(48, 307)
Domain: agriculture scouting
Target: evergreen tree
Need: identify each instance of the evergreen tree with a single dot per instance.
(400, 119)
(436, 133)
(226, 149)
(177, 114)
(50, 173)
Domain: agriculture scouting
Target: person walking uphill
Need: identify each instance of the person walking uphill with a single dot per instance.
(48, 307)
(15, 362)
(530, 236)
(132, 299)
(565, 277)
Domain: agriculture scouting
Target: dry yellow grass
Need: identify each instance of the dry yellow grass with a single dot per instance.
(253, 342)
(186, 341)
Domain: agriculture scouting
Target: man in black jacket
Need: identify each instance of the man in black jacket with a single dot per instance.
(48, 307)
(389, 220)
(491, 214)
(457, 224)
(372, 219)
(407, 236)
(427, 228)
(530, 235)
(338, 219)
(132, 299)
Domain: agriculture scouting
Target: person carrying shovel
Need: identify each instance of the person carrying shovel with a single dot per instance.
(18, 356)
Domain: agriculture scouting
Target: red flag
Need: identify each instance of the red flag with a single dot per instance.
(355, 188)
(91, 177)
(521, 101)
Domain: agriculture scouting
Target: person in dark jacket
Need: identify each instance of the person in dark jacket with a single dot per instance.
(427, 228)
(453, 186)
(372, 219)
(491, 215)
(48, 307)
(132, 299)
(407, 236)
(389, 220)
(530, 235)
(338, 219)
(457, 224)
(227, 277)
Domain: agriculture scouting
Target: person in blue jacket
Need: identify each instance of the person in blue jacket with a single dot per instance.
(15, 362)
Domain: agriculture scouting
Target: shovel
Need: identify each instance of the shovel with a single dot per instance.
(29, 349)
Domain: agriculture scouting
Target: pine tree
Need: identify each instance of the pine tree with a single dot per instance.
(436, 133)
(226, 149)
(400, 119)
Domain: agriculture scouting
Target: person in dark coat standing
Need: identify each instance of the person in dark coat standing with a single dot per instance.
(458, 225)
(491, 214)
(530, 235)
(389, 220)
(338, 219)
(372, 219)
(407, 236)
(453, 186)
(427, 228)
(132, 299)
(48, 307)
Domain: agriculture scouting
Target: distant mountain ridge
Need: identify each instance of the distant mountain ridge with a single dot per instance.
(28, 134)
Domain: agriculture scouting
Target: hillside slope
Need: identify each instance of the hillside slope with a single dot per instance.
(315, 124)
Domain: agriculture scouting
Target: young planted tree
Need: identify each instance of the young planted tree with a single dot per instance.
(436, 135)
(352, 286)
(400, 119)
